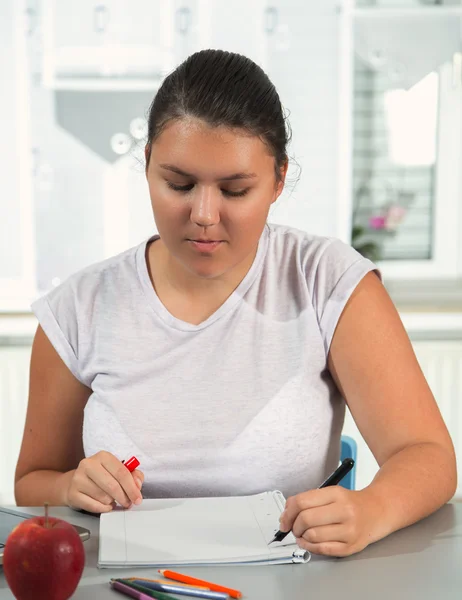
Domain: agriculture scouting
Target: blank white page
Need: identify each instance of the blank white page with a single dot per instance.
(194, 531)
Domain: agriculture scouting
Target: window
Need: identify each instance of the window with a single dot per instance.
(394, 155)
(407, 142)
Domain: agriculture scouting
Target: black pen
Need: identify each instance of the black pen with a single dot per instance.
(336, 477)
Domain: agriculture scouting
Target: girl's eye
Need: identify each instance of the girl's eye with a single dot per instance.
(238, 194)
(189, 187)
(180, 188)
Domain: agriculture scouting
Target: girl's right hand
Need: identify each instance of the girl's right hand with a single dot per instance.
(101, 480)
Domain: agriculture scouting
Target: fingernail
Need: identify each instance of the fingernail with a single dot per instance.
(139, 483)
(138, 501)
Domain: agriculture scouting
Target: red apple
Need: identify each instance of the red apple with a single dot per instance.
(43, 559)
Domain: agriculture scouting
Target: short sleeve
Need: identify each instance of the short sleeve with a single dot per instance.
(57, 315)
(339, 270)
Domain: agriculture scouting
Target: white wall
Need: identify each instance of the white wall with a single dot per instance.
(307, 77)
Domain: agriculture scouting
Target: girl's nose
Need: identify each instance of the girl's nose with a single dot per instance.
(205, 210)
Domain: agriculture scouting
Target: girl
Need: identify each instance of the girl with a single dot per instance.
(222, 351)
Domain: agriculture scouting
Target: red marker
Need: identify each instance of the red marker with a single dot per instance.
(131, 463)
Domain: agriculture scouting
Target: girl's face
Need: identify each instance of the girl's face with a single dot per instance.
(211, 189)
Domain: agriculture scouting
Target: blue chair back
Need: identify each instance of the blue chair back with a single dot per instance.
(349, 449)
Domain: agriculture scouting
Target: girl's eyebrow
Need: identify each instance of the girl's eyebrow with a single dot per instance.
(227, 178)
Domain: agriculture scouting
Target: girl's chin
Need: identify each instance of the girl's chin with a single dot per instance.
(204, 269)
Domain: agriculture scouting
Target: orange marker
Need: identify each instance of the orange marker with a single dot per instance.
(193, 581)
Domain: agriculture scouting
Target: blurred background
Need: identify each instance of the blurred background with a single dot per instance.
(374, 96)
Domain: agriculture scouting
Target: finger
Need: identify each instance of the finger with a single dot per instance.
(89, 488)
(327, 533)
(123, 476)
(138, 476)
(316, 517)
(109, 484)
(84, 502)
(303, 501)
(338, 549)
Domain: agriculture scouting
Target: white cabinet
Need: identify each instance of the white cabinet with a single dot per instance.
(17, 277)
(407, 43)
(14, 383)
(237, 26)
(190, 25)
(107, 44)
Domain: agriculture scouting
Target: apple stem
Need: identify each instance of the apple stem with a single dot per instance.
(46, 515)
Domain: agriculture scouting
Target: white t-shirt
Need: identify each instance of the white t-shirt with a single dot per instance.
(239, 404)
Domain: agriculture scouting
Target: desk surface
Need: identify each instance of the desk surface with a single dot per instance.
(423, 561)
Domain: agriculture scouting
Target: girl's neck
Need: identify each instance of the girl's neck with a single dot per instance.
(186, 295)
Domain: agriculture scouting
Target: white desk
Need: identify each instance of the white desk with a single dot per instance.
(421, 562)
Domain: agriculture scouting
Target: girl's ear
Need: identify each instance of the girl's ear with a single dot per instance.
(282, 179)
(147, 154)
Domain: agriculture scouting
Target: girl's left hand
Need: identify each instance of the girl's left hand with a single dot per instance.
(333, 521)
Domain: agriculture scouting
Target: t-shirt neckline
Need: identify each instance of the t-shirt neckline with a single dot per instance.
(175, 323)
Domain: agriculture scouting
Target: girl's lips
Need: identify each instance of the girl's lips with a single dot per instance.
(205, 247)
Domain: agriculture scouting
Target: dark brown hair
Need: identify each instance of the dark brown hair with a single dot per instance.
(222, 89)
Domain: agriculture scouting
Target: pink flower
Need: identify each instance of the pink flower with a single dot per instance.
(377, 222)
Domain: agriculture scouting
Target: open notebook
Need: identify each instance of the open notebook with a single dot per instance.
(197, 531)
